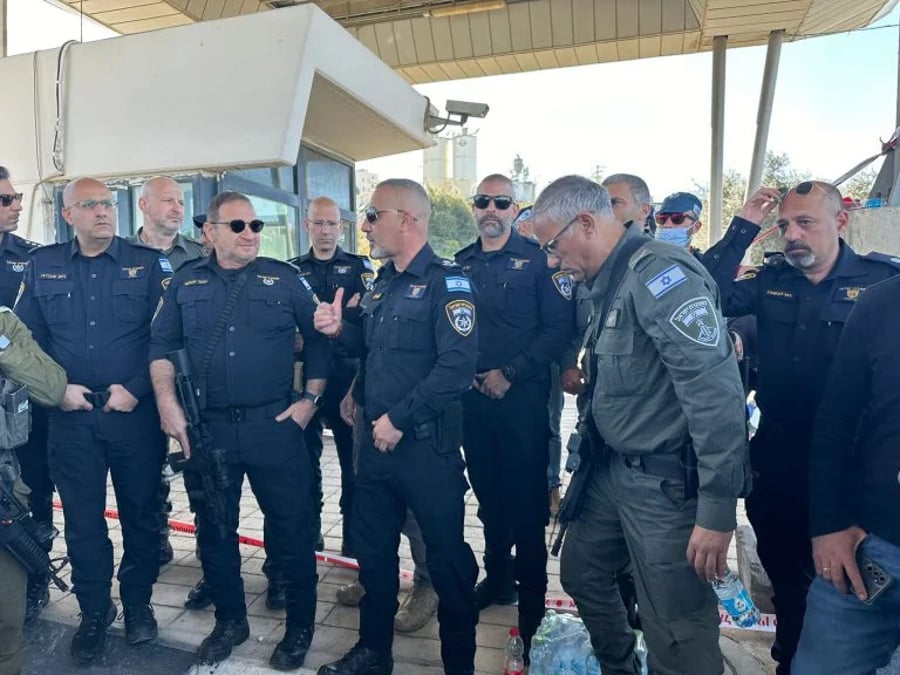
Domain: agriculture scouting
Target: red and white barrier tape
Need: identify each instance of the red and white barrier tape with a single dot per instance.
(563, 603)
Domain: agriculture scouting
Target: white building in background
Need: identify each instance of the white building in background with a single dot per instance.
(453, 163)
(365, 185)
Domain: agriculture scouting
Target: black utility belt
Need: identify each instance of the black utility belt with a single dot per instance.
(662, 466)
(237, 414)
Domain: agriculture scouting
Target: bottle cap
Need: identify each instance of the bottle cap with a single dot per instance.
(514, 631)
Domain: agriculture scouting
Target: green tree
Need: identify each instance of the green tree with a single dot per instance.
(452, 225)
(860, 185)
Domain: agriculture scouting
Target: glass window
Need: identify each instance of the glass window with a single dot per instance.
(279, 236)
(326, 177)
(279, 177)
(187, 225)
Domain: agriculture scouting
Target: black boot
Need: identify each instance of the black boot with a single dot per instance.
(38, 597)
(140, 624)
(89, 640)
(490, 591)
(199, 596)
(291, 651)
(217, 645)
(276, 597)
(360, 661)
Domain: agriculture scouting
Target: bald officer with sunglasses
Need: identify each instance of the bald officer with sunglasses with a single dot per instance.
(237, 315)
(527, 321)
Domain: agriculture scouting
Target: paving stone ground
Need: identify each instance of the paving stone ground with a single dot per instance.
(336, 631)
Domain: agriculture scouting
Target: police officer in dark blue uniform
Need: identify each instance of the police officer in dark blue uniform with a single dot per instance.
(88, 303)
(33, 455)
(247, 399)
(420, 347)
(801, 301)
(527, 321)
(327, 267)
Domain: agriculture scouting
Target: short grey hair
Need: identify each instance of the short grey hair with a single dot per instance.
(4, 173)
(568, 196)
(636, 185)
(412, 188)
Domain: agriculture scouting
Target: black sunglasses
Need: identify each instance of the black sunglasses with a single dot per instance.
(502, 202)
(676, 218)
(238, 225)
(7, 200)
(372, 213)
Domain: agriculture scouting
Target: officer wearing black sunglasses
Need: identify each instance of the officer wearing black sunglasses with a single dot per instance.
(327, 267)
(801, 300)
(418, 343)
(246, 394)
(527, 320)
(33, 455)
(89, 303)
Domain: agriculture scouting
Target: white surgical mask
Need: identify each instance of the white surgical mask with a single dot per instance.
(680, 236)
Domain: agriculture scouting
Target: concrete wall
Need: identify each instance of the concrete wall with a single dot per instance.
(875, 230)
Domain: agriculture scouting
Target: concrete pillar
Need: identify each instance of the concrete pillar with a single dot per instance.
(716, 164)
(764, 115)
(3, 15)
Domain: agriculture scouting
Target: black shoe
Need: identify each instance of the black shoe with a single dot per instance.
(275, 595)
(140, 624)
(218, 644)
(488, 593)
(89, 640)
(38, 598)
(199, 596)
(359, 661)
(166, 554)
(291, 651)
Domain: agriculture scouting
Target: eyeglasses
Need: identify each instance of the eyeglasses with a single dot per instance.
(238, 225)
(550, 247)
(372, 214)
(91, 204)
(325, 224)
(502, 202)
(7, 200)
(676, 218)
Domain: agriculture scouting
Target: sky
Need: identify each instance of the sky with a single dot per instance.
(835, 97)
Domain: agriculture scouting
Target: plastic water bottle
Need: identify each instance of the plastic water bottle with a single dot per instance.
(733, 596)
(515, 654)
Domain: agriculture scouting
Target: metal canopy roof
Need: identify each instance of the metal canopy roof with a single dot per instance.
(424, 44)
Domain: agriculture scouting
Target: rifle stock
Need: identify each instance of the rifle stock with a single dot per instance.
(206, 461)
(572, 502)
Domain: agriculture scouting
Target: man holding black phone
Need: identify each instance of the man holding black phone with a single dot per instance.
(854, 486)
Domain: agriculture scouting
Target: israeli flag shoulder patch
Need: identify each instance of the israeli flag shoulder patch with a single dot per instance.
(458, 284)
(665, 281)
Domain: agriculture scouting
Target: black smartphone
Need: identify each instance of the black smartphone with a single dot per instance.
(875, 578)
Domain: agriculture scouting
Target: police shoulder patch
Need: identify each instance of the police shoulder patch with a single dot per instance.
(564, 284)
(698, 321)
(367, 279)
(461, 314)
(165, 282)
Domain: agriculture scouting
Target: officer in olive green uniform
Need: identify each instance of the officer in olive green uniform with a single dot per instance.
(663, 378)
(22, 361)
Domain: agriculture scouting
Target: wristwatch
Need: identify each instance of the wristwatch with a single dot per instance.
(315, 398)
(509, 372)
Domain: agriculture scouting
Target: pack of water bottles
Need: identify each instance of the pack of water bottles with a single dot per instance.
(562, 646)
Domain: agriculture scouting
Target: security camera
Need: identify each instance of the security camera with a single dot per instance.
(458, 112)
(467, 108)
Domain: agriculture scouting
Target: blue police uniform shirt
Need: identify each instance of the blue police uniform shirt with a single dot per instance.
(252, 364)
(799, 325)
(14, 259)
(92, 314)
(420, 341)
(525, 307)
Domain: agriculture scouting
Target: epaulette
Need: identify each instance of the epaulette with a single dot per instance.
(447, 264)
(27, 243)
(278, 263)
(883, 258)
(640, 258)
